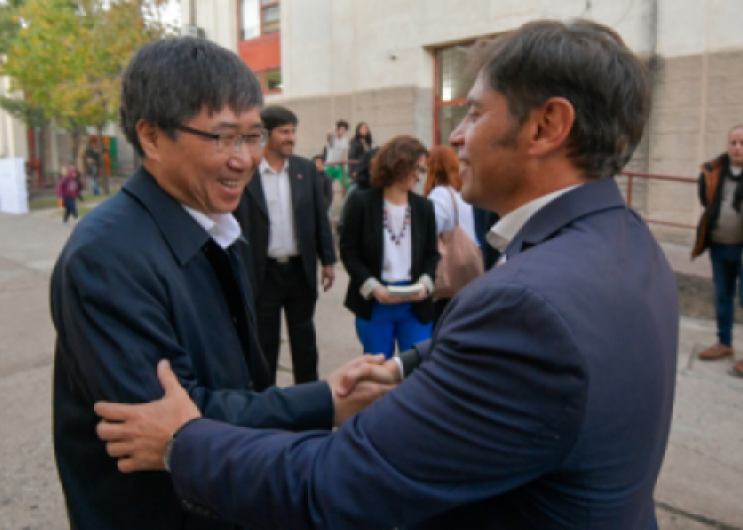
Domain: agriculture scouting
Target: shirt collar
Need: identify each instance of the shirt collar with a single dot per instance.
(222, 227)
(266, 167)
(503, 232)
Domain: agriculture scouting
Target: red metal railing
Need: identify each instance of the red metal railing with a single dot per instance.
(631, 175)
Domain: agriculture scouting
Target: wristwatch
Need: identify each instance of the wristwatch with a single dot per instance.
(168, 451)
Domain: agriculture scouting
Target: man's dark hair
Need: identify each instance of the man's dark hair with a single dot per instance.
(318, 157)
(395, 160)
(170, 81)
(341, 123)
(589, 65)
(276, 116)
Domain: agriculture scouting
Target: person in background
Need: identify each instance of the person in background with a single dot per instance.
(68, 189)
(336, 152)
(327, 182)
(92, 165)
(721, 230)
(442, 189)
(361, 182)
(284, 218)
(389, 238)
(359, 144)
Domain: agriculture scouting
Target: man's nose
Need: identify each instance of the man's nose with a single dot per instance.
(242, 158)
(457, 135)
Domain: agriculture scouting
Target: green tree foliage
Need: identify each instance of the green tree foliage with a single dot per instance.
(65, 58)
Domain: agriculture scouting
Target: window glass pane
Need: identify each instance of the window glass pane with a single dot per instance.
(271, 19)
(273, 80)
(450, 117)
(453, 81)
(251, 24)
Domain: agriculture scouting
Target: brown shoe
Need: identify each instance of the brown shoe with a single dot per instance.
(718, 351)
(738, 369)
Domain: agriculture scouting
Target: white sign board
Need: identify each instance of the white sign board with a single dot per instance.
(13, 194)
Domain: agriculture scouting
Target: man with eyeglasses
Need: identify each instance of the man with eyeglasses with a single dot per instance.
(284, 216)
(158, 271)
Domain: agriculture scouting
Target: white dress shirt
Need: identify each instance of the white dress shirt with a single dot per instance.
(503, 232)
(222, 227)
(282, 239)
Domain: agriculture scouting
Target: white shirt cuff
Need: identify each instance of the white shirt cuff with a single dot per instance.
(368, 288)
(426, 280)
(399, 367)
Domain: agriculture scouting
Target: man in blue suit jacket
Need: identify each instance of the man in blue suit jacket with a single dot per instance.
(158, 271)
(544, 398)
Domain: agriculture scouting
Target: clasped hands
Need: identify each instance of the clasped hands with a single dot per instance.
(137, 434)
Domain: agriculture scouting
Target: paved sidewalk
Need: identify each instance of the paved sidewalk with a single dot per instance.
(700, 487)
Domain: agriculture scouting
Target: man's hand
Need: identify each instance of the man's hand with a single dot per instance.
(137, 434)
(328, 277)
(359, 383)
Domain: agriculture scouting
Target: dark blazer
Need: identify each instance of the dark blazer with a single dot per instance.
(134, 285)
(543, 401)
(362, 247)
(311, 223)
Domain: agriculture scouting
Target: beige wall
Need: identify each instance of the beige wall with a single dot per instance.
(218, 18)
(373, 61)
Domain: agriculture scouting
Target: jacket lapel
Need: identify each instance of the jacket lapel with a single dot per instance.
(295, 183)
(416, 225)
(590, 198)
(181, 231)
(255, 189)
(377, 227)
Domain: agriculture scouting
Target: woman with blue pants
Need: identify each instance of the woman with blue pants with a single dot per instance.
(389, 239)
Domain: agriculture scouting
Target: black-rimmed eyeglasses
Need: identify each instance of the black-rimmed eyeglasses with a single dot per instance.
(230, 142)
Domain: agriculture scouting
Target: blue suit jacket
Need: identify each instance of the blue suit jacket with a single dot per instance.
(132, 286)
(543, 400)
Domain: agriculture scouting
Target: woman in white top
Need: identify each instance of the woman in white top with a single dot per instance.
(388, 244)
(443, 182)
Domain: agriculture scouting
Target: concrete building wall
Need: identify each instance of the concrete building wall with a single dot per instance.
(696, 101)
(374, 62)
(218, 18)
(13, 141)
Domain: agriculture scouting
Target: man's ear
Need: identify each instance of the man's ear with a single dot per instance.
(552, 123)
(150, 137)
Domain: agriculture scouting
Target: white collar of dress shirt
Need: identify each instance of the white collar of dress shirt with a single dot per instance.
(503, 232)
(265, 166)
(222, 227)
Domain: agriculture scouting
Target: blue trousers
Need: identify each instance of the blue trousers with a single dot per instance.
(726, 269)
(70, 208)
(390, 323)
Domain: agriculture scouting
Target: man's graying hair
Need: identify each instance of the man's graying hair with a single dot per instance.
(589, 65)
(170, 81)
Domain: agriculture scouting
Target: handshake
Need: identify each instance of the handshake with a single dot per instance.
(137, 434)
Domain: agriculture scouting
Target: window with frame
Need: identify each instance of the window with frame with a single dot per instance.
(259, 17)
(272, 81)
(452, 85)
